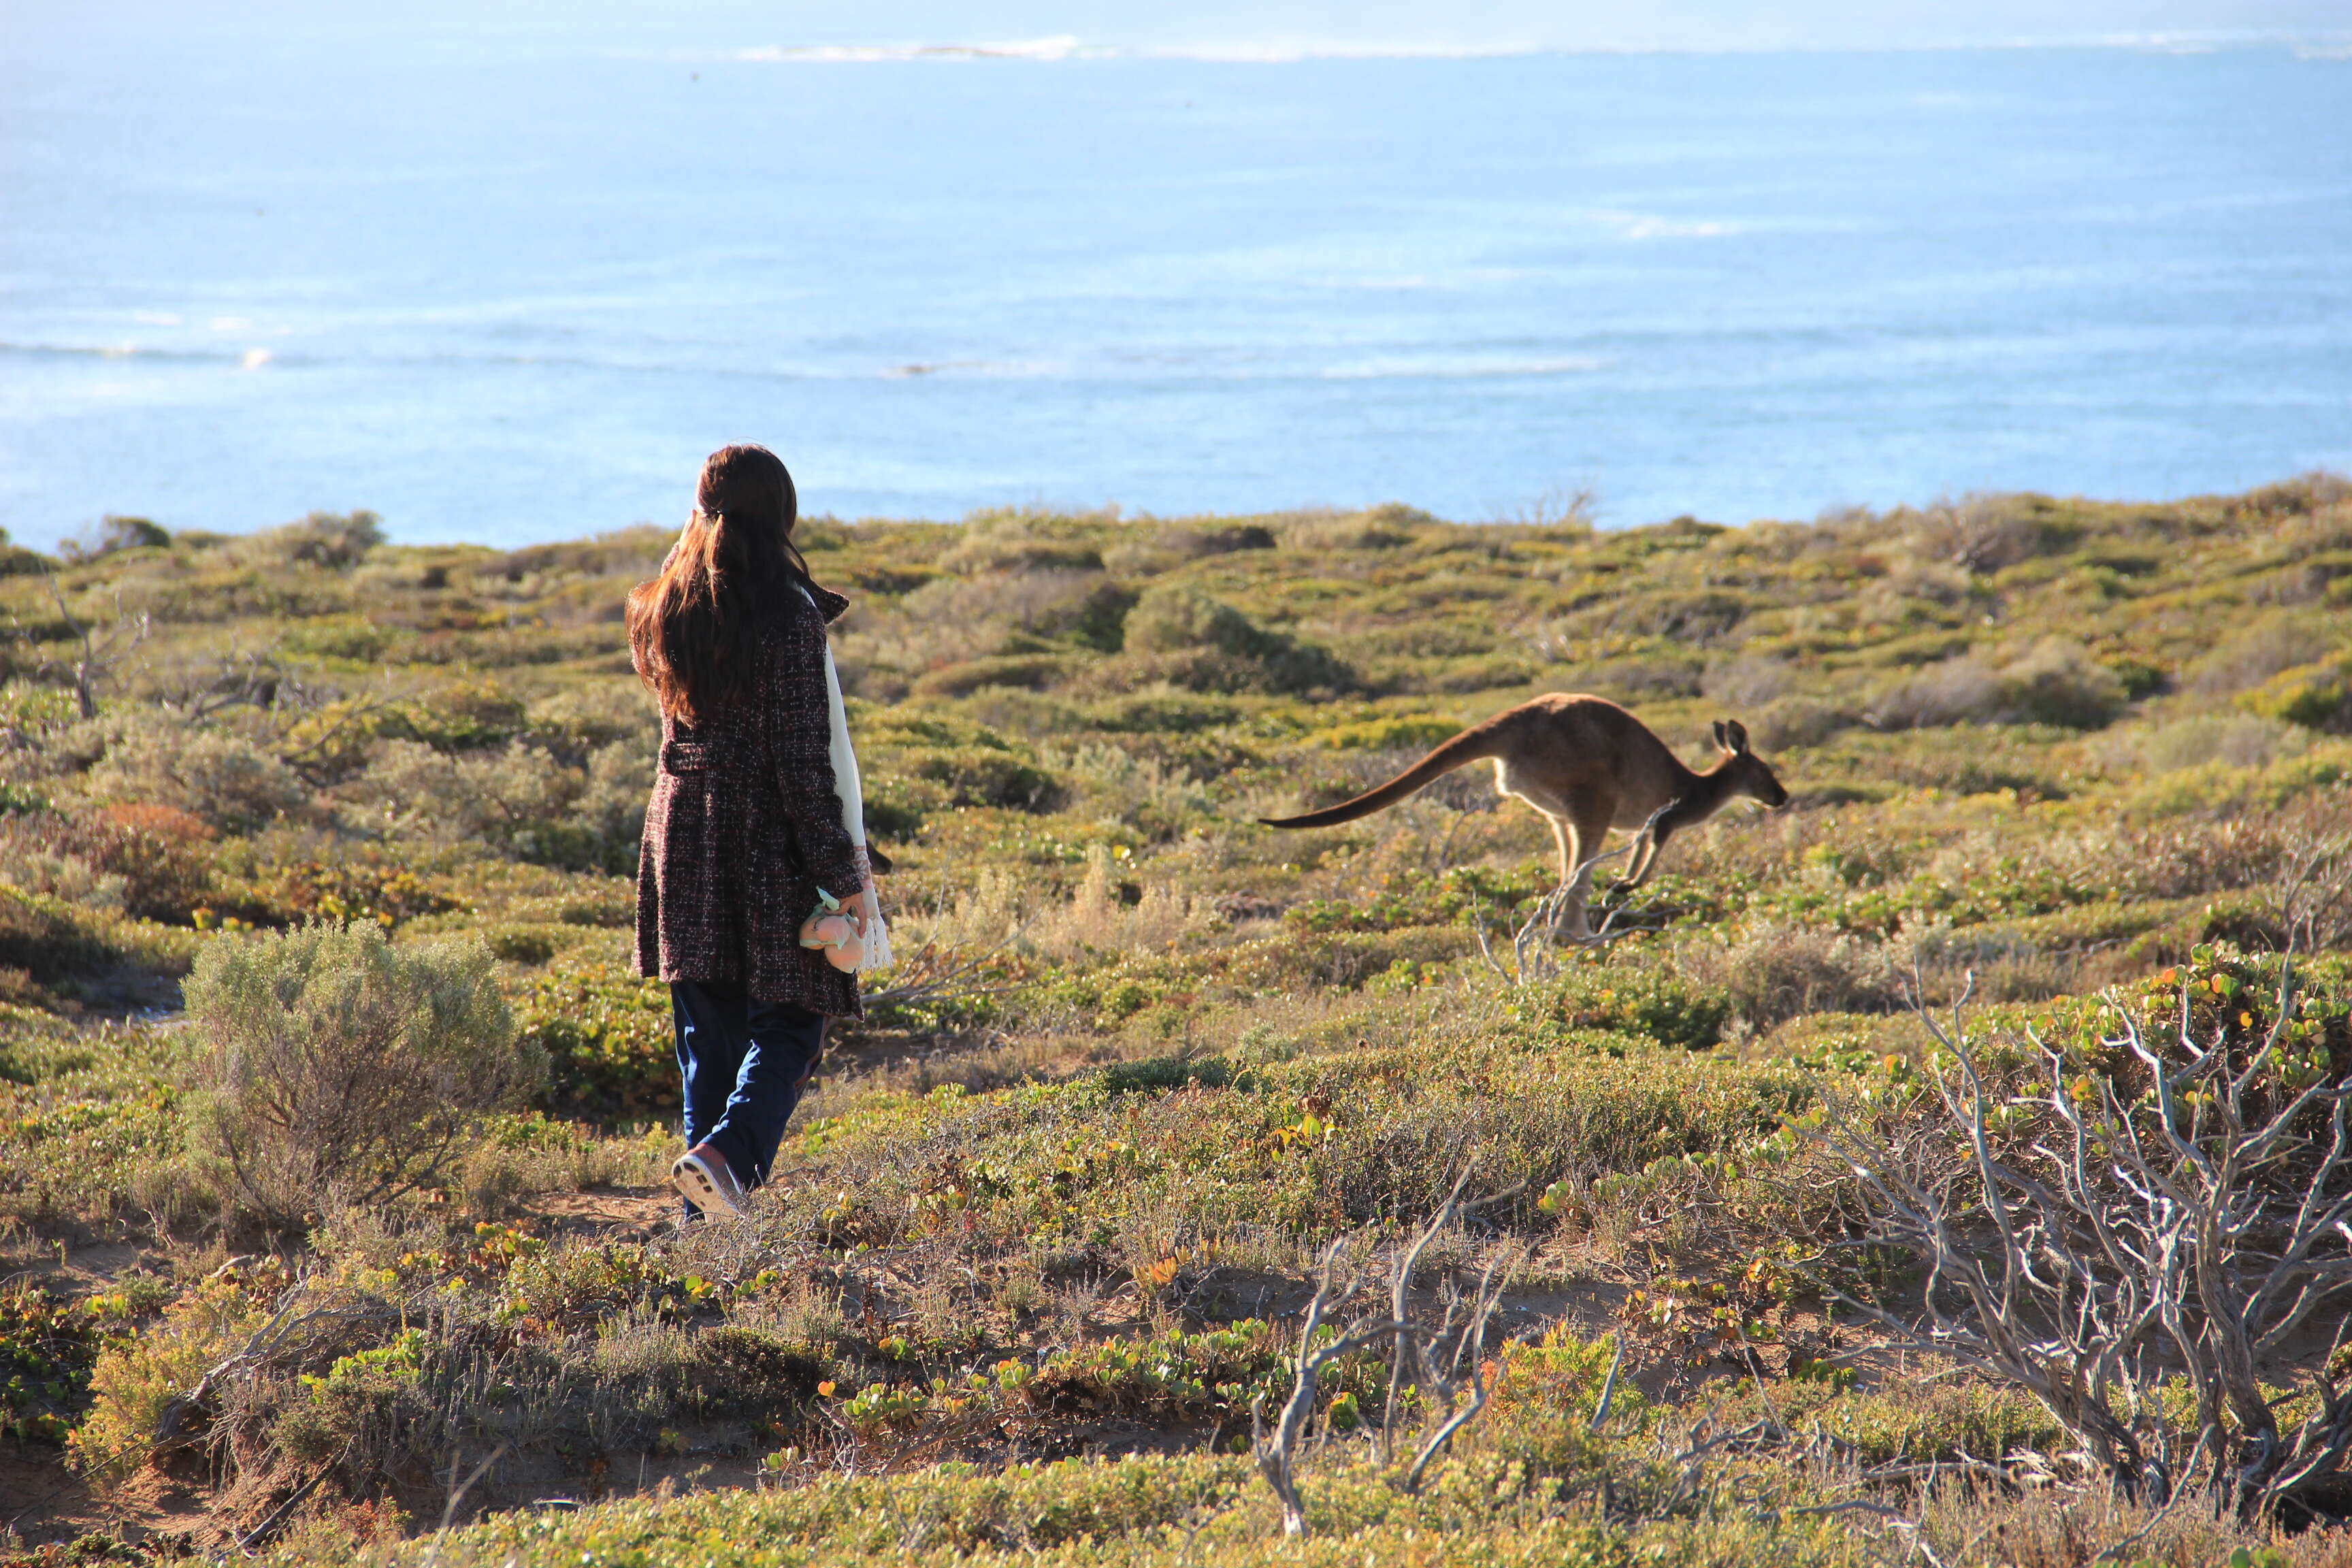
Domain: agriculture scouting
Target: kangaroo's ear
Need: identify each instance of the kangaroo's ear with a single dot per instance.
(1721, 739)
(1736, 736)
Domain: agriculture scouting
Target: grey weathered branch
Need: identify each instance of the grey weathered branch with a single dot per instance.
(2193, 1227)
(1443, 1359)
(101, 650)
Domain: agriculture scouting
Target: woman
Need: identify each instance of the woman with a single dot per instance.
(754, 900)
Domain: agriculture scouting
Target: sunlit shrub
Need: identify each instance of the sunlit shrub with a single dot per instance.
(2055, 682)
(332, 540)
(47, 1347)
(229, 781)
(44, 935)
(1652, 1002)
(1773, 973)
(2253, 654)
(520, 797)
(138, 1380)
(2317, 696)
(2236, 740)
(341, 1066)
(1194, 640)
(147, 861)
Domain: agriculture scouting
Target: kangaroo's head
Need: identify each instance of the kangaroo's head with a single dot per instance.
(1742, 770)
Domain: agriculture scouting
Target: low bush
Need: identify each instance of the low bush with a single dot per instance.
(148, 860)
(342, 1066)
(331, 540)
(136, 1382)
(606, 1036)
(230, 780)
(2055, 682)
(2317, 696)
(47, 1347)
(520, 797)
(43, 936)
(1207, 645)
(1773, 973)
(1651, 1002)
(2233, 740)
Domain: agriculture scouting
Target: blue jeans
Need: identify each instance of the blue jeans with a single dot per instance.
(746, 1064)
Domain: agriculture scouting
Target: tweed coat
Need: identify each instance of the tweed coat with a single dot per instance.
(744, 827)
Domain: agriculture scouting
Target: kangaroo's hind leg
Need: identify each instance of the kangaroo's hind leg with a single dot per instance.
(1580, 836)
(1559, 825)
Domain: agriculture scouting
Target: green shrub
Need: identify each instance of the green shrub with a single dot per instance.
(1399, 730)
(47, 1347)
(607, 1037)
(981, 775)
(332, 540)
(137, 1379)
(42, 936)
(1937, 1423)
(341, 1066)
(2058, 683)
(2312, 697)
(1773, 973)
(148, 860)
(1207, 645)
(1649, 1002)
(2053, 682)
(528, 945)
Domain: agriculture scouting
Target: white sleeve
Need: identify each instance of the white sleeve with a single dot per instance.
(845, 781)
(851, 789)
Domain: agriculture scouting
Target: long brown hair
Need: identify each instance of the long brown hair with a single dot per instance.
(694, 629)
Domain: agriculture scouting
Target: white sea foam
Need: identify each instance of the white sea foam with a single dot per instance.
(1463, 367)
(1278, 53)
(1060, 48)
(1657, 226)
(115, 351)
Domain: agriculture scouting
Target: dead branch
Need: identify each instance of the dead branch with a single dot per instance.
(1277, 1454)
(1443, 1359)
(2195, 1225)
(101, 651)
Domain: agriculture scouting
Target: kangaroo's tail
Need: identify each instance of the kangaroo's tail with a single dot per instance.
(1479, 740)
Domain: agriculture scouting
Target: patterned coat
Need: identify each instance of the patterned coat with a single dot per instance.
(744, 827)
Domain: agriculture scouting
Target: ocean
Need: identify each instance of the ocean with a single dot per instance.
(512, 288)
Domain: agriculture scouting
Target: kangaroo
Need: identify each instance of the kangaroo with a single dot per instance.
(1588, 765)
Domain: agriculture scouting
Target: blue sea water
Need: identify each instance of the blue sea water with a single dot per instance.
(513, 288)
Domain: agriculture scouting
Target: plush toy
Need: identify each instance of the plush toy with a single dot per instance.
(835, 928)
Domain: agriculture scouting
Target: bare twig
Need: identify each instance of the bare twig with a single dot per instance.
(457, 1495)
(1608, 1389)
